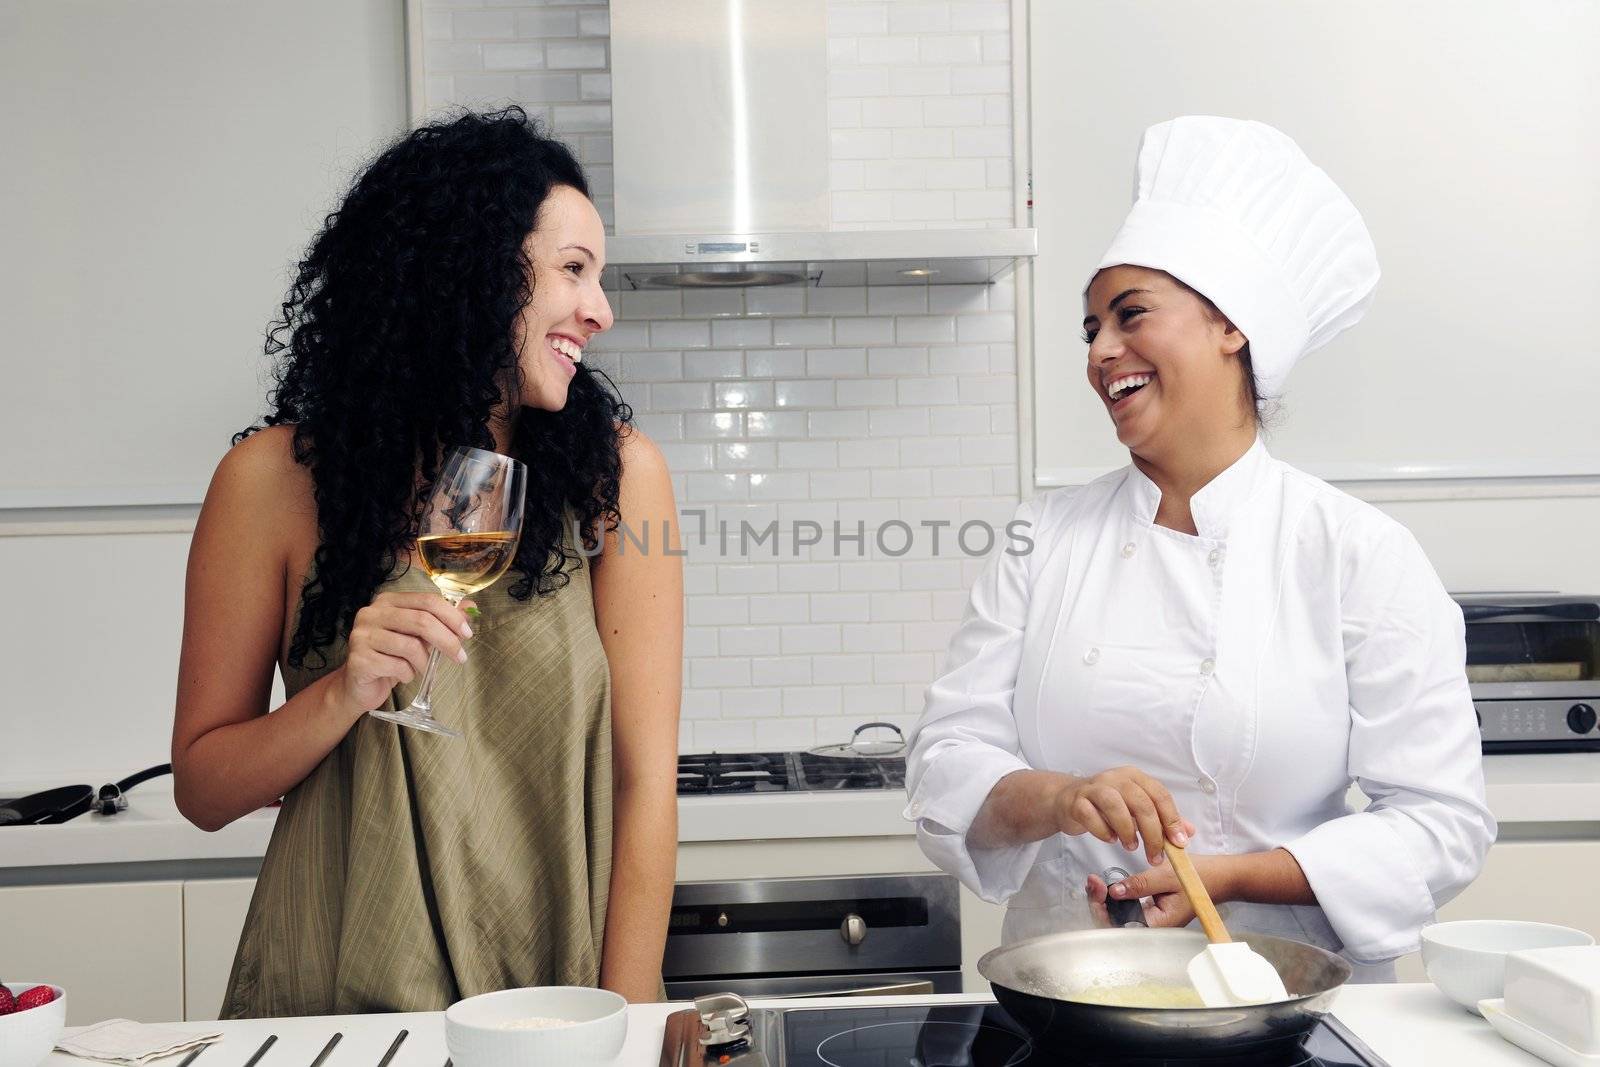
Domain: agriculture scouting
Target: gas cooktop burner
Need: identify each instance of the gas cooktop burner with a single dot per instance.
(955, 1035)
(780, 772)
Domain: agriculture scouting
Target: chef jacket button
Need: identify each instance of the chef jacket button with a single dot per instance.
(1214, 557)
(1092, 656)
(1129, 549)
(1207, 665)
(1207, 786)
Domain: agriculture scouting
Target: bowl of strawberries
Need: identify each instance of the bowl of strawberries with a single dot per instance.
(32, 1015)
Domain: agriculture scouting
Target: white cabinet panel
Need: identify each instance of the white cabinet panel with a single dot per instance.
(213, 916)
(117, 949)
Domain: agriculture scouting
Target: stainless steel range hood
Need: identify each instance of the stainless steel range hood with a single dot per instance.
(721, 152)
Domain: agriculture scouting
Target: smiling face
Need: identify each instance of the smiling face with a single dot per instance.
(567, 251)
(1163, 362)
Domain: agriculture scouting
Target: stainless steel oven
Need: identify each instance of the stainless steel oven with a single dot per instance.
(1533, 664)
(813, 936)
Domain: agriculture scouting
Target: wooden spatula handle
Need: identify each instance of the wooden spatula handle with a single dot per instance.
(1195, 890)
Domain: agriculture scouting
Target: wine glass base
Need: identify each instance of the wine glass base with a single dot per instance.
(417, 722)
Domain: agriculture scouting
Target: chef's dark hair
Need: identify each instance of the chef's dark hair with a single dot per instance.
(1261, 413)
(397, 339)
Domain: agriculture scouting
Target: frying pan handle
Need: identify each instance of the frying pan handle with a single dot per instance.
(1123, 912)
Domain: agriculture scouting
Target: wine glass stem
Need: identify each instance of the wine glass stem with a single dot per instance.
(423, 701)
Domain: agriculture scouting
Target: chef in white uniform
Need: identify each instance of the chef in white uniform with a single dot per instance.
(1208, 644)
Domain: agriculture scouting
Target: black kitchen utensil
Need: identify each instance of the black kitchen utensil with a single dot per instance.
(65, 802)
(262, 1051)
(332, 1041)
(393, 1048)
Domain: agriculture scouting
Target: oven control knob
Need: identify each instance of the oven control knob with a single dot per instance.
(722, 918)
(853, 929)
(1580, 718)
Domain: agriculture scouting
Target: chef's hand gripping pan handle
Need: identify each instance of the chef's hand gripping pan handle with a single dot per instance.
(1127, 912)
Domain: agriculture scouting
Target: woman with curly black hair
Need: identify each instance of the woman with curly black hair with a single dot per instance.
(446, 302)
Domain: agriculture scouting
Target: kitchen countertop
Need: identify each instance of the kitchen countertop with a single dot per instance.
(1410, 1025)
(1557, 788)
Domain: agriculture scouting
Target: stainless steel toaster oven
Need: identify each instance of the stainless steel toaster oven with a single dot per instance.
(1533, 664)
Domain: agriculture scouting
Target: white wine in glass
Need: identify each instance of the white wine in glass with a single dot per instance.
(467, 541)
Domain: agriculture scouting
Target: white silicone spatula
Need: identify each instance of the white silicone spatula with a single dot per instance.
(1228, 973)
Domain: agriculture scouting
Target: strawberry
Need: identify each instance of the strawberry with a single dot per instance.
(8, 1003)
(36, 997)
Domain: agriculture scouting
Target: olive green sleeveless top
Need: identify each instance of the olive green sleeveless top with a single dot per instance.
(409, 870)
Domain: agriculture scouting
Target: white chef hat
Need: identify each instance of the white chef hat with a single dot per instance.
(1236, 211)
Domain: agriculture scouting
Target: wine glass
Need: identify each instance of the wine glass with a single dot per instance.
(467, 541)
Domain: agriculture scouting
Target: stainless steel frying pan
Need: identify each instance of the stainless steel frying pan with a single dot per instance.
(1029, 978)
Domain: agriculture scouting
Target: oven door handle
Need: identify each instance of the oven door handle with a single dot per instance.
(893, 989)
(1579, 612)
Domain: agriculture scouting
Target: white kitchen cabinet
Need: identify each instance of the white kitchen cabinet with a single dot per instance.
(213, 916)
(117, 948)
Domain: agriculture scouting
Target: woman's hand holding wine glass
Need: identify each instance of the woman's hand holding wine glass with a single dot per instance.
(392, 639)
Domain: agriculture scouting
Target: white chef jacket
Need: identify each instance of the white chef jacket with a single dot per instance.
(1299, 643)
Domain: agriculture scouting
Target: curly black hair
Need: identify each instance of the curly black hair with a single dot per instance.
(400, 330)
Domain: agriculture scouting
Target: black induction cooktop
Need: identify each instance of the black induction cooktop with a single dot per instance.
(972, 1035)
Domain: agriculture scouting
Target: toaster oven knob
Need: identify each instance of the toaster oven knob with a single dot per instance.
(1580, 718)
(853, 929)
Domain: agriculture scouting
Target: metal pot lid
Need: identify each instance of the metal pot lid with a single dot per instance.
(856, 748)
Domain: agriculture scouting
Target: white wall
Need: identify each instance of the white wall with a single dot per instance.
(901, 404)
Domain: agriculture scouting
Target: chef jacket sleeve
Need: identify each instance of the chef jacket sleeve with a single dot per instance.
(1415, 751)
(966, 740)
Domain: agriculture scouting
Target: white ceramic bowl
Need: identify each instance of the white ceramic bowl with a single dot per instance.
(475, 1034)
(1467, 959)
(26, 1037)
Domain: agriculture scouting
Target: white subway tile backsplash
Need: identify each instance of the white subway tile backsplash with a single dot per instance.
(853, 19)
(796, 394)
(783, 735)
(483, 25)
(680, 396)
(835, 362)
(543, 23)
(927, 391)
(924, 329)
(686, 457)
(513, 56)
(963, 48)
(667, 334)
(847, 407)
(764, 424)
(779, 485)
(921, 143)
(724, 736)
(865, 393)
(898, 422)
(713, 365)
(843, 300)
(575, 55)
(741, 333)
(907, 16)
(775, 300)
(919, 81)
(803, 331)
(744, 394)
(710, 303)
(994, 17)
(867, 331)
(813, 700)
(719, 424)
(851, 423)
(781, 670)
